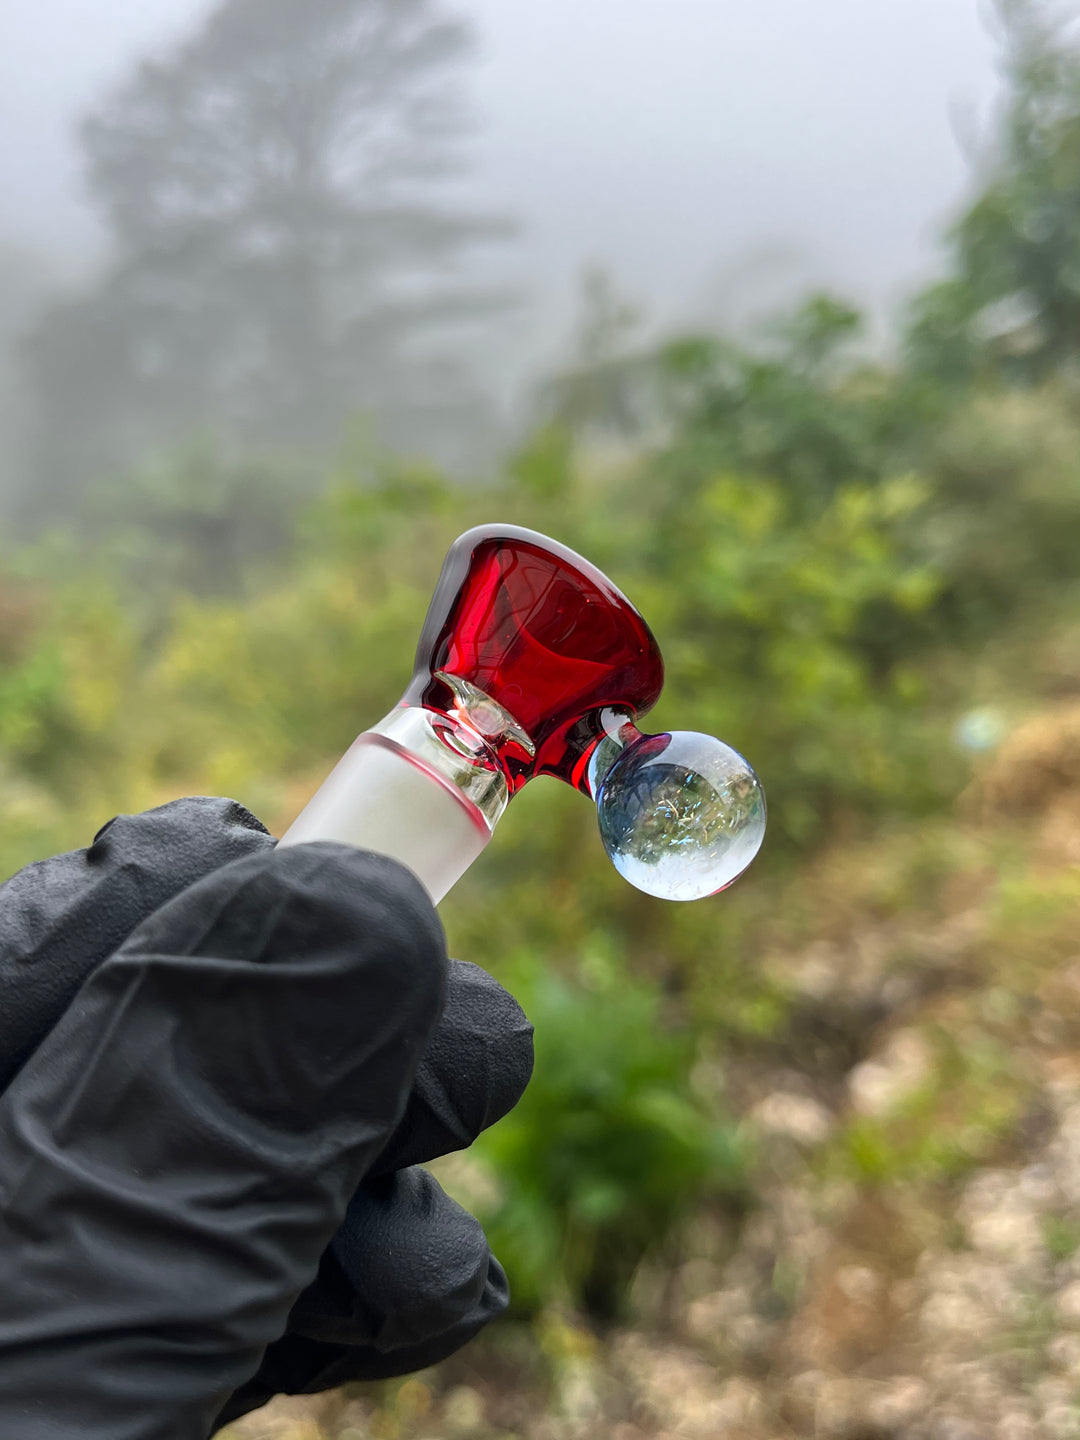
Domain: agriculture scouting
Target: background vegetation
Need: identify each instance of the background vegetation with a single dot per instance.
(804, 1159)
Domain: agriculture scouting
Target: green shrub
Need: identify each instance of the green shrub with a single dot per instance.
(608, 1150)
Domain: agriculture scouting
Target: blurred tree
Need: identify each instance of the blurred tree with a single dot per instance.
(26, 282)
(277, 195)
(194, 523)
(607, 391)
(798, 408)
(1012, 304)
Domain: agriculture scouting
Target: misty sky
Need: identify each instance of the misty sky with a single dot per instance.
(704, 149)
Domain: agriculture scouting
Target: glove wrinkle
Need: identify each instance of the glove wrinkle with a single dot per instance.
(181, 1147)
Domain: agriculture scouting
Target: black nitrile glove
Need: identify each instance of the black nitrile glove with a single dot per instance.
(218, 1063)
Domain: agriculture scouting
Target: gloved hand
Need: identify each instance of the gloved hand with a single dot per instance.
(218, 1064)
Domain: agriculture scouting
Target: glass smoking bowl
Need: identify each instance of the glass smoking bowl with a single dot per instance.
(532, 663)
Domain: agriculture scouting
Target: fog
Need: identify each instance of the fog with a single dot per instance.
(674, 139)
(716, 159)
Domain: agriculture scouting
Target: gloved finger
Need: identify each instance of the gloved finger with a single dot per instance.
(475, 1068)
(296, 1365)
(60, 918)
(179, 1151)
(408, 1280)
(409, 1277)
(407, 1265)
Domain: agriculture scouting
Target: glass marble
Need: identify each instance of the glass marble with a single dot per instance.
(681, 815)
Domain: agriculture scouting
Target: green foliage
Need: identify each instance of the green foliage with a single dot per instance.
(1004, 525)
(198, 522)
(797, 410)
(1012, 305)
(1061, 1236)
(839, 559)
(952, 1121)
(544, 466)
(609, 1149)
(1034, 925)
(801, 610)
(815, 627)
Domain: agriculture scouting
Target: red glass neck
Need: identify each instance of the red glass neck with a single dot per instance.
(545, 635)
